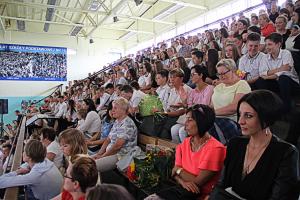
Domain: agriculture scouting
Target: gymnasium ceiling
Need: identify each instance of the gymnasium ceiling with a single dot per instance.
(105, 19)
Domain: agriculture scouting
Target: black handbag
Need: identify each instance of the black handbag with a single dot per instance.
(219, 193)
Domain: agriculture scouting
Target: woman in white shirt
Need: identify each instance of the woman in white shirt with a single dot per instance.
(92, 122)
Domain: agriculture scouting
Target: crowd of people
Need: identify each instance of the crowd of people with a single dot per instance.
(216, 95)
(32, 65)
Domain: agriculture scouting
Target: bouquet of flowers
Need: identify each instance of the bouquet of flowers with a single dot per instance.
(155, 168)
(242, 74)
(148, 103)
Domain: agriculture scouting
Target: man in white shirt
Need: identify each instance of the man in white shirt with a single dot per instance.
(251, 61)
(62, 108)
(163, 90)
(277, 72)
(103, 98)
(176, 103)
(133, 96)
(120, 78)
(54, 152)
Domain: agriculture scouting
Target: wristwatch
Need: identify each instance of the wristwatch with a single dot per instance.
(178, 171)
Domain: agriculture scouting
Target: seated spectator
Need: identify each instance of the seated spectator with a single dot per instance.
(109, 89)
(273, 14)
(121, 78)
(131, 75)
(197, 58)
(280, 24)
(42, 179)
(54, 152)
(72, 142)
(71, 114)
(224, 100)
(133, 96)
(121, 139)
(211, 62)
(102, 99)
(7, 160)
(92, 122)
(266, 26)
(277, 72)
(163, 89)
(264, 167)
(175, 105)
(80, 176)
(232, 52)
(231, 89)
(200, 95)
(108, 191)
(180, 63)
(95, 142)
(199, 159)
(251, 62)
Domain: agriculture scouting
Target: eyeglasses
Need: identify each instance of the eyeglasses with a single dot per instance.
(222, 74)
(193, 74)
(66, 176)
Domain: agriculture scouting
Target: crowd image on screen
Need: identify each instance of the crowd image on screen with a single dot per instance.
(32, 65)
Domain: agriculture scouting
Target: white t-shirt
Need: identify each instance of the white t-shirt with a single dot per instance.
(54, 147)
(142, 81)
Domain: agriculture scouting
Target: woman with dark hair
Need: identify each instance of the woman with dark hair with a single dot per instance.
(199, 159)
(200, 95)
(224, 35)
(71, 114)
(96, 141)
(296, 17)
(131, 75)
(164, 57)
(108, 191)
(181, 64)
(264, 167)
(214, 45)
(92, 122)
(211, 63)
(148, 76)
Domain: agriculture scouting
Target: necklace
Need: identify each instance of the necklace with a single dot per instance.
(248, 163)
(202, 143)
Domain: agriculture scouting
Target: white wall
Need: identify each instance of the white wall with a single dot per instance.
(88, 58)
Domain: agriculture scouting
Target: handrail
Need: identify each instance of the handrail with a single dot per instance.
(12, 193)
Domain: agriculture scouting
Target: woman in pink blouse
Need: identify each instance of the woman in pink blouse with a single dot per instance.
(200, 95)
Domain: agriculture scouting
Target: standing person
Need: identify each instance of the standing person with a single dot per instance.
(42, 179)
(264, 167)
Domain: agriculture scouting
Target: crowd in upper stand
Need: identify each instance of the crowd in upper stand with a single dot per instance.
(202, 92)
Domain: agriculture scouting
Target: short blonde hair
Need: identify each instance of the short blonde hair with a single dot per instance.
(228, 63)
(122, 102)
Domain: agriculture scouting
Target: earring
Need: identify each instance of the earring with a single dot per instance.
(267, 131)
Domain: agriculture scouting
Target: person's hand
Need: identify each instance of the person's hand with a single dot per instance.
(190, 186)
(22, 170)
(174, 171)
(88, 142)
(97, 156)
(216, 82)
(286, 67)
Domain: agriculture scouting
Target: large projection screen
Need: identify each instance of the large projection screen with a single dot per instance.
(32, 63)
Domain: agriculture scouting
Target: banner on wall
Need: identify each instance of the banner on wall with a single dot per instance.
(32, 63)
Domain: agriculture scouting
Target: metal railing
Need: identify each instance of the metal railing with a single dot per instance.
(12, 193)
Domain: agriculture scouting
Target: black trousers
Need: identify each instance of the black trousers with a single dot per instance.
(284, 87)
